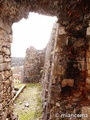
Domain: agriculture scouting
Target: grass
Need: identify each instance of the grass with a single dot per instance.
(18, 85)
(32, 96)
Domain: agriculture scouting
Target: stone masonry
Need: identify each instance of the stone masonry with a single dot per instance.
(34, 62)
(66, 74)
(65, 71)
(6, 85)
(46, 76)
(65, 87)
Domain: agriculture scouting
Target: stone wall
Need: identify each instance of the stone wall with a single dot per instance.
(65, 87)
(46, 77)
(34, 62)
(88, 64)
(6, 85)
(65, 78)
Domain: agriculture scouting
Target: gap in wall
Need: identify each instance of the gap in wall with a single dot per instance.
(35, 31)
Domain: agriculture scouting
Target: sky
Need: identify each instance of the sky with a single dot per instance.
(34, 31)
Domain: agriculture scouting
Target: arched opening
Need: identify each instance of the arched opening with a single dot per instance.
(30, 39)
(73, 20)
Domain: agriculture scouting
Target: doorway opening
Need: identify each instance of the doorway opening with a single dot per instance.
(30, 38)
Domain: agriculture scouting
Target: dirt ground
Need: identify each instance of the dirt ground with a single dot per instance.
(28, 105)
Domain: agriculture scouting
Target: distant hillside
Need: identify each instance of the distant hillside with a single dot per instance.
(17, 61)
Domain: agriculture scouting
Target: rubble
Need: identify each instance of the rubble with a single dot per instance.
(27, 105)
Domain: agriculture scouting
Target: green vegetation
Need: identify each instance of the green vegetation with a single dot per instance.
(18, 85)
(32, 96)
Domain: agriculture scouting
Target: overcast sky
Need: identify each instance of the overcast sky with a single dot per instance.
(35, 31)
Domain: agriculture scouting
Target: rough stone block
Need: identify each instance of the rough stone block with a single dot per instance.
(7, 58)
(62, 31)
(3, 66)
(8, 67)
(10, 38)
(5, 44)
(88, 72)
(88, 31)
(6, 50)
(64, 82)
(69, 82)
(4, 35)
(5, 25)
(1, 106)
(1, 58)
(1, 93)
(83, 66)
(88, 88)
(7, 74)
(88, 54)
(0, 47)
(58, 70)
(58, 104)
(89, 59)
(1, 87)
(86, 113)
(2, 75)
(88, 66)
(88, 80)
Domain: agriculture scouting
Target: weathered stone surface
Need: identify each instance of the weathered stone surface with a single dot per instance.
(5, 71)
(85, 112)
(88, 31)
(1, 58)
(69, 82)
(88, 80)
(34, 62)
(68, 58)
(62, 31)
(64, 86)
(46, 77)
(7, 58)
(6, 50)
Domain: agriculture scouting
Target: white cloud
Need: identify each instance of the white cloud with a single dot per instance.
(35, 31)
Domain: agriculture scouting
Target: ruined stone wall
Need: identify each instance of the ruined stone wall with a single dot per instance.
(46, 77)
(88, 64)
(65, 90)
(34, 62)
(66, 73)
(86, 109)
(64, 79)
(6, 86)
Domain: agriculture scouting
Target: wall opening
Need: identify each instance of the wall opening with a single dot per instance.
(30, 37)
(34, 31)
